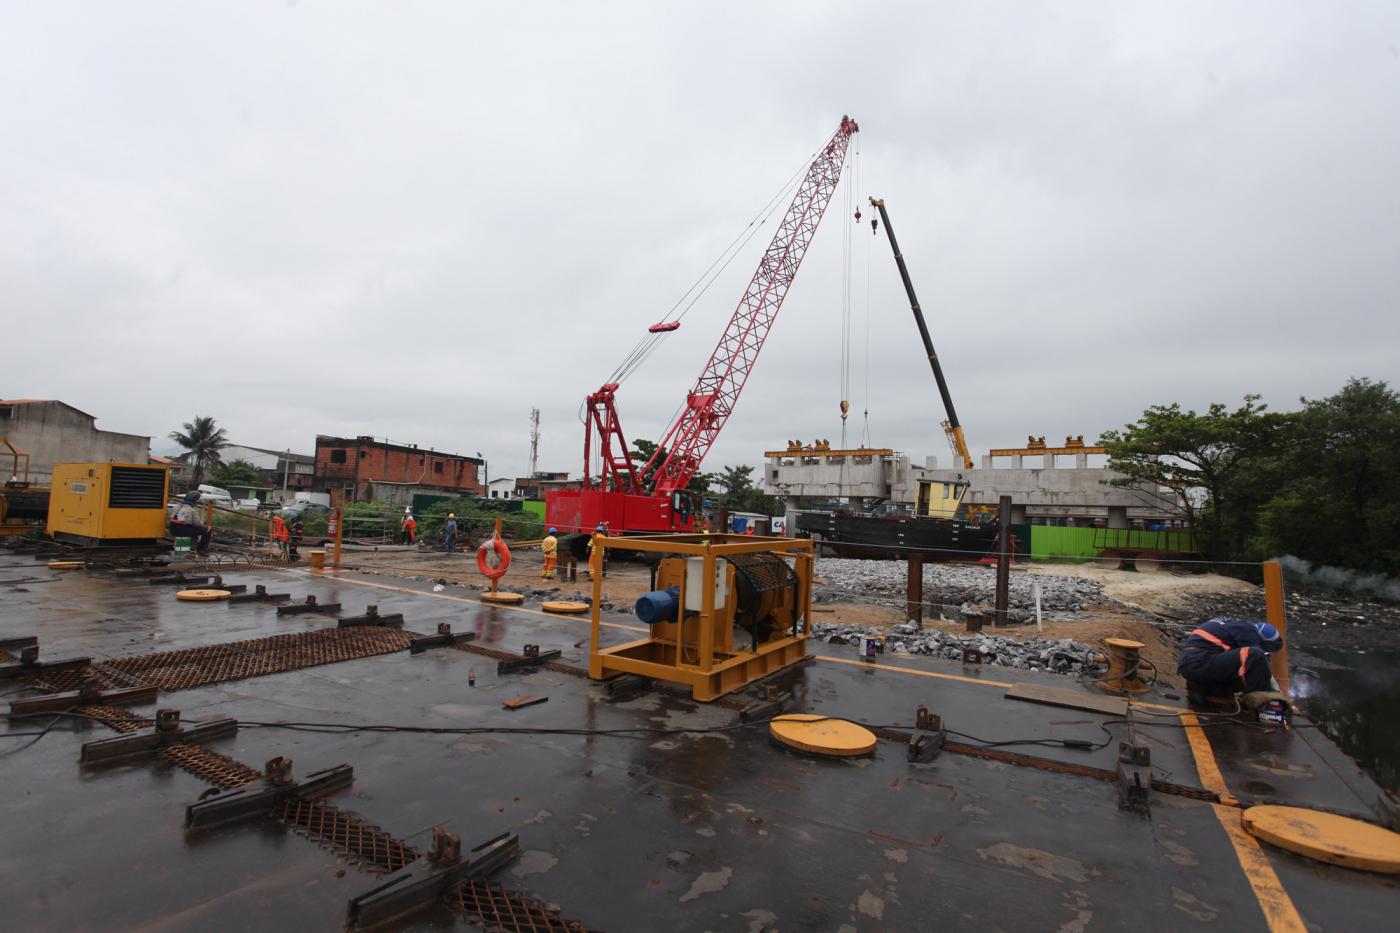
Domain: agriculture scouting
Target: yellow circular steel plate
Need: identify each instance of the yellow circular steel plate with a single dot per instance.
(563, 605)
(511, 598)
(201, 596)
(820, 735)
(65, 564)
(1124, 643)
(1326, 837)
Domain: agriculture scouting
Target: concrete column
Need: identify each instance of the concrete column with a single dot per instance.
(1081, 461)
(1016, 462)
(986, 461)
(1018, 514)
(1049, 461)
(1118, 516)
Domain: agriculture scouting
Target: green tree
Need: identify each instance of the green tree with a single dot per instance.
(1341, 501)
(202, 441)
(236, 473)
(1221, 467)
(643, 453)
(741, 495)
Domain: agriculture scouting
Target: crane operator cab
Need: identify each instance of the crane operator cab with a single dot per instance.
(941, 498)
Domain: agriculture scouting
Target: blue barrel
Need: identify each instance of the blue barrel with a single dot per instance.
(659, 605)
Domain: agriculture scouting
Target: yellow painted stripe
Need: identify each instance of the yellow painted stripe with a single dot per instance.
(1279, 912)
(475, 602)
(1206, 767)
(910, 670)
(961, 679)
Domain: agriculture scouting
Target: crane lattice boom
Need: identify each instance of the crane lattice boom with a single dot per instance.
(710, 403)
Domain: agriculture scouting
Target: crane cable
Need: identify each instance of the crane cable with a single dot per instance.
(649, 343)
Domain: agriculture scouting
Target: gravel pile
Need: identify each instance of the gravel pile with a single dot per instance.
(955, 589)
(1061, 656)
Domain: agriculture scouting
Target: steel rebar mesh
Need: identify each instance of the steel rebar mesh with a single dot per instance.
(347, 832)
(212, 664)
(496, 908)
(219, 770)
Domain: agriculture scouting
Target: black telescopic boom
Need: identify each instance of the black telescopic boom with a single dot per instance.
(879, 205)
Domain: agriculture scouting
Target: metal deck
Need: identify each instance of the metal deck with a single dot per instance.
(674, 831)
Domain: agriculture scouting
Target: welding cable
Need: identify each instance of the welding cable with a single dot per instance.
(36, 737)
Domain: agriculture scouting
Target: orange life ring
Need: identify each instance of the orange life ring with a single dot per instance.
(503, 552)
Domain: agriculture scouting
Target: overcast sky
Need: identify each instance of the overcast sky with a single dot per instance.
(420, 220)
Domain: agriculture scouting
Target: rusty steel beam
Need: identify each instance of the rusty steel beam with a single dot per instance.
(62, 702)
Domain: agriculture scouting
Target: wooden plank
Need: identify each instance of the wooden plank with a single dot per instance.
(1073, 699)
(522, 701)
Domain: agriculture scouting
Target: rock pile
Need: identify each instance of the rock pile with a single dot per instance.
(953, 589)
(1061, 656)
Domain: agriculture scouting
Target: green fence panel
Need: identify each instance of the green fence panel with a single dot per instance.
(1050, 542)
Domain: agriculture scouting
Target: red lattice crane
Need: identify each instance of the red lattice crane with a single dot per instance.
(616, 497)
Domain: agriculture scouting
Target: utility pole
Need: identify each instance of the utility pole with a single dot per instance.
(534, 441)
(286, 467)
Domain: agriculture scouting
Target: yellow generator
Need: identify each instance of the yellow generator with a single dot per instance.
(97, 504)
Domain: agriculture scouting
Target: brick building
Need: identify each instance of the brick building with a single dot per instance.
(346, 467)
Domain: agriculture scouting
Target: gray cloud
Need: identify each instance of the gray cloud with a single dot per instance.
(421, 220)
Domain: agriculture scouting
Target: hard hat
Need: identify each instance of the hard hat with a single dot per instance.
(1272, 641)
(601, 527)
(451, 514)
(554, 531)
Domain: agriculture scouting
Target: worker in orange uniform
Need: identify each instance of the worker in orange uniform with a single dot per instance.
(550, 546)
(408, 529)
(1226, 655)
(599, 532)
(279, 533)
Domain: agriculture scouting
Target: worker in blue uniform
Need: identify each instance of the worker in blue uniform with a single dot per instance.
(1225, 656)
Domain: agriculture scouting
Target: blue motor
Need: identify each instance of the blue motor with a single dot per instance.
(659, 605)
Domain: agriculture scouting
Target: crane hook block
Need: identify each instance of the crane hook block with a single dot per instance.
(874, 226)
(845, 407)
(664, 327)
(857, 215)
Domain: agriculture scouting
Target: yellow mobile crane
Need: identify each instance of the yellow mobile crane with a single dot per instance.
(951, 427)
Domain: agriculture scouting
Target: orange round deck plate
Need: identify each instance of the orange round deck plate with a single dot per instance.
(65, 564)
(566, 606)
(201, 596)
(821, 735)
(1326, 837)
(503, 598)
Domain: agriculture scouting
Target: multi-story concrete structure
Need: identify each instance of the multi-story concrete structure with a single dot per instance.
(52, 432)
(1050, 493)
(346, 467)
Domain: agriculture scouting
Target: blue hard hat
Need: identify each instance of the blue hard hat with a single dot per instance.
(554, 531)
(1269, 635)
(600, 527)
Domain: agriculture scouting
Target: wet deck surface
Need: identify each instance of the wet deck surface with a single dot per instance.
(675, 831)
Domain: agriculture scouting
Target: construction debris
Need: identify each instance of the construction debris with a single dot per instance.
(1059, 655)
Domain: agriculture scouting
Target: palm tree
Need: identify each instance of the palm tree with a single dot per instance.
(202, 442)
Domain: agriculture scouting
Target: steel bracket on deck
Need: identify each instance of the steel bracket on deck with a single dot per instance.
(971, 656)
(372, 617)
(29, 663)
(199, 581)
(1134, 776)
(259, 595)
(531, 658)
(442, 639)
(929, 735)
(167, 731)
(770, 703)
(258, 799)
(309, 606)
(627, 686)
(86, 695)
(427, 879)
